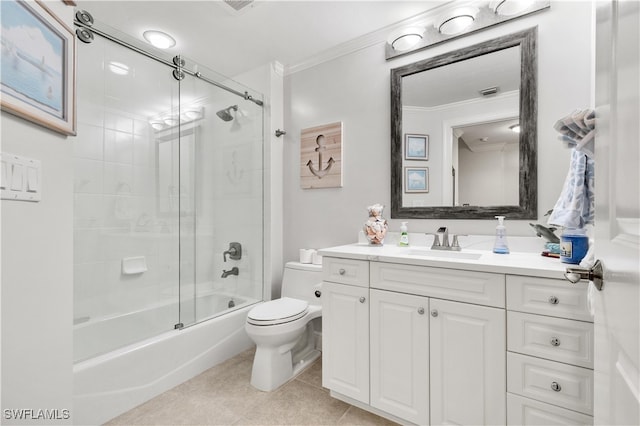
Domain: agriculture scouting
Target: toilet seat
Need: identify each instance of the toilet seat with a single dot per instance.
(278, 311)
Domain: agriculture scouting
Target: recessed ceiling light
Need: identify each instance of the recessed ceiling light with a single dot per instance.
(159, 39)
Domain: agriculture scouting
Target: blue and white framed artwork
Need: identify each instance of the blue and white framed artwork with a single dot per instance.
(416, 147)
(416, 179)
(38, 65)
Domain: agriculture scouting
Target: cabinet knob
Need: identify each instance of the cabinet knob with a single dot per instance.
(434, 313)
(555, 341)
(318, 293)
(553, 300)
(556, 386)
(421, 310)
(341, 271)
(362, 299)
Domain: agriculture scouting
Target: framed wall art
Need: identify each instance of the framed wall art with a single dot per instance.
(416, 179)
(38, 66)
(416, 147)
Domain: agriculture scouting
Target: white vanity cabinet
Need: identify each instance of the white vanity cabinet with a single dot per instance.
(550, 352)
(434, 353)
(345, 328)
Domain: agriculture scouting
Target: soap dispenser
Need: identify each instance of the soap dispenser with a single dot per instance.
(404, 236)
(500, 246)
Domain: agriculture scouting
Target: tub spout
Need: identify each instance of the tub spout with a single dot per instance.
(232, 271)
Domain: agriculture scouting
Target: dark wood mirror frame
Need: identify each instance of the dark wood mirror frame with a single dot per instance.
(528, 179)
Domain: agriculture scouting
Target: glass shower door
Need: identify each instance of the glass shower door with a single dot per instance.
(126, 232)
(222, 161)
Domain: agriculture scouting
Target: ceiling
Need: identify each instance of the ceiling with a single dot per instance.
(231, 42)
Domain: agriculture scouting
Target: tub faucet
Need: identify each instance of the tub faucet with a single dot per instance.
(232, 271)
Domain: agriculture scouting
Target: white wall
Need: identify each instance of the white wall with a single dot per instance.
(355, 89)
(37, 274)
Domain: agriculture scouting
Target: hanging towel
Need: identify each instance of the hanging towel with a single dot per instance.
(578, 130)
(576, 206)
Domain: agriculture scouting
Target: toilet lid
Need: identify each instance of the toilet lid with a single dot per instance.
(278, 311)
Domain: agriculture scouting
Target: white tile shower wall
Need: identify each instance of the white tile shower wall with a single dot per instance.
(115, 217)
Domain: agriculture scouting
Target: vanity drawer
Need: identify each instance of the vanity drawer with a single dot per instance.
(552, 338)
(526, 412)
(345, 271)
(553, 382)
(480, 288)
(547, 296)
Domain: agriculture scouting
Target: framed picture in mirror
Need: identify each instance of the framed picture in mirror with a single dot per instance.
(416, 147)
(416, 179)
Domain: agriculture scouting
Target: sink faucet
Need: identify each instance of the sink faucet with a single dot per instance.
(232, 271)
(445, 245)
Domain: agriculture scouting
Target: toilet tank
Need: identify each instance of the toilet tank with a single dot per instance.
(301, 280)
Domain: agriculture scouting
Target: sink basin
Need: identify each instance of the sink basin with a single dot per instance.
(445, 254)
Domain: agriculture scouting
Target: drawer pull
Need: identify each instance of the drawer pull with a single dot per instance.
(556, 386)
(362, 299)
(421, 310)
(434, 313)
(554, 300)
(555, 341)
(341, 271)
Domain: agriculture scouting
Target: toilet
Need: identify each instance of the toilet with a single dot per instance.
(284, 329)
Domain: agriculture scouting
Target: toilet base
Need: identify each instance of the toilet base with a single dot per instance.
(274, 366)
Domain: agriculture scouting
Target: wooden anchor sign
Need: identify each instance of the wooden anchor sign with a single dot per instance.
(318, 143)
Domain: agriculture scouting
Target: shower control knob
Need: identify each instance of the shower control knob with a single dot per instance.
(318, 293)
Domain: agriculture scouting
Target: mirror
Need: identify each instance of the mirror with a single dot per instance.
(453, 154)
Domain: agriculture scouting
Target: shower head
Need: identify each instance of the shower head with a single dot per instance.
(225, 114)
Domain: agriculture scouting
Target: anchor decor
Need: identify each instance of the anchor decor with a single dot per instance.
(321, 156)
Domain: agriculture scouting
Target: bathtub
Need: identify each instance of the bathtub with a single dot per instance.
(107, 385)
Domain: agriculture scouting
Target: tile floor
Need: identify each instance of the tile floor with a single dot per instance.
(223, 395)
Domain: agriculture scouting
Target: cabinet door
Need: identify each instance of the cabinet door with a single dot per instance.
(345, 340)
(400, 355)
(468, 364)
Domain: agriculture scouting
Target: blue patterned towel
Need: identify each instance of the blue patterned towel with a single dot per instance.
(576, 206)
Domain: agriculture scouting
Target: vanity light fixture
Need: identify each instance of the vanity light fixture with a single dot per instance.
(159, 39)
(515, 128)
(168, 120)
(510, 7)
(457, 21)
(406, 38)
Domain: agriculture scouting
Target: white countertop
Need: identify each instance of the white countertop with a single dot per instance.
(516, 263)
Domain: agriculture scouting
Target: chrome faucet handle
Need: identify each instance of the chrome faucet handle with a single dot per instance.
(436, 239)
(455, 245)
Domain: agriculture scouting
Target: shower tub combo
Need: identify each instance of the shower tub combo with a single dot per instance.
(167, 174)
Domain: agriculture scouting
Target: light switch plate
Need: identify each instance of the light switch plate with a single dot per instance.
(21, 178)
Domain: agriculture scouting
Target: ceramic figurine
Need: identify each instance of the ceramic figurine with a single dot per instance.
(375, 228)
